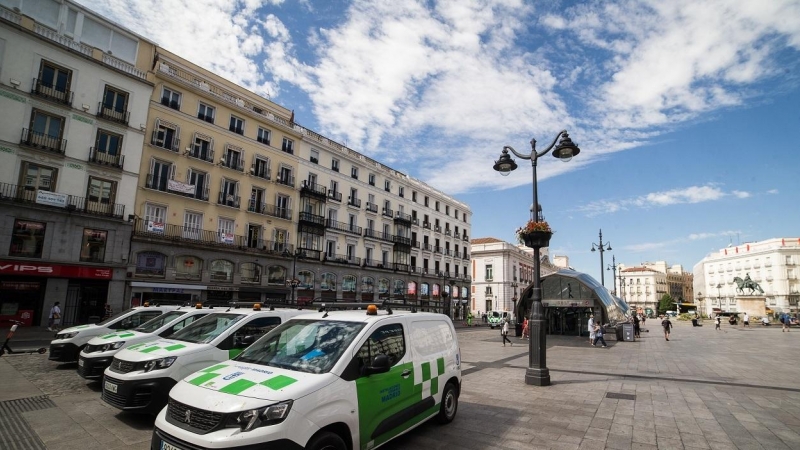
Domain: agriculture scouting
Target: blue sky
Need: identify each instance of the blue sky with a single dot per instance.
(686, 112)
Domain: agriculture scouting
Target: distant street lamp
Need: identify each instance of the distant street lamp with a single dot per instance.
(719, 299)
(602, 247)
(514, 285)
(613, 268)
(293, 283)
(537, 372)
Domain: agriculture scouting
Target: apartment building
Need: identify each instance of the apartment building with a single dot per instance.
(236, 201)
(772, 263)
(73, 91)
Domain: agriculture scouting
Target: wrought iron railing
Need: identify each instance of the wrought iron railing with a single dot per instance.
(28, 194)
(35, 139)
(109, 113)
(106, 159)
(47, 91)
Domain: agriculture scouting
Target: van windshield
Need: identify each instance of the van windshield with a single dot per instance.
(207, 329)
(154, 324)
(311, 346)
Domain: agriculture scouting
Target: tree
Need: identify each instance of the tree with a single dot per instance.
(665, 304)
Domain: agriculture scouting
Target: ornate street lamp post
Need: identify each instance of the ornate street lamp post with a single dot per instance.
(613, 268)
(602, 247)
(293, 283)
(537, 372)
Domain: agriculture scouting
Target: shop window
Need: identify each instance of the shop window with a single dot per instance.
(251, 273)
(349, 283)
(399, 287)
(328, 282)
(367, 285)
(276, 275)
(150, 264)
(188, 267)
(27, 239)
(383, 286)
(93, 246)
(222, 270)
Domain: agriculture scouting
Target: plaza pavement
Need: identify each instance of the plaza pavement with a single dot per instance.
(735, 388)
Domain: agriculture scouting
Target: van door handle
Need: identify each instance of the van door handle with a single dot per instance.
(405, 373)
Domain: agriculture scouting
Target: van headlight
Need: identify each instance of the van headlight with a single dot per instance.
(67, 335)
(269, 415)
(111, 346)
(157, 364)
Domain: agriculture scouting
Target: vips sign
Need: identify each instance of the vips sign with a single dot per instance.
(53, 270)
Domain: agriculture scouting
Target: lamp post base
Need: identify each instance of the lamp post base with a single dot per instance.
(537, 377)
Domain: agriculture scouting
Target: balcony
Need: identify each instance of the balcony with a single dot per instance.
(377, 235)
(372, 207)
(374, 263)
(438, 250)
(111, 114)
(202, 153)
(401, 241)
(415, 244)
(260, 171)
(457, 255)
(170, 143)
(156, 182)
(70, 203)
(232, 162)
(231, 201)
(457, 235)
(335, 196)
(343, 259)
(170, 103)
(52, 93)
(437, 229)
(312, 219)
(427, 247)
(236, 129)
(205, 117)
(285, 179)
(105, 159)
(402, 217)
(344, 227)
(314, 160)
(414, 221)
(426, 225)
(400, 267)
(448, 252)
(276, 211)
(466, 238)
(386, 212)
(43, 141)
(314, 190)
(447, 232)
(354, 202)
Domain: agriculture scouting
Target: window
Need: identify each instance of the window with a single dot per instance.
(335, 165)
(371, 179)
(160, 174)
(203, 148)
(93, 246)
(426, 201)
(437, 205)
(387, 340)
(221, 270)
(261, 168)
(54, 83)
(229, 195)
(171, 98)
(489, 273)
(263, 136)
(251, 273)
(115, 105)
(314, 156)
(100, 192)
(150, 263)
(387, 186)
(107, 148)
(236, 125)
(288, 146)
(354, 172)
(192, 226)
(34, 176)
(154, 213)
(401, 191)
(27, 239)
(414, 196)
(447, 210)
(285, 176)
(205, 112)
(199, 180)
(165, 136)
(45, 131)
(234, 158)
(188, 267)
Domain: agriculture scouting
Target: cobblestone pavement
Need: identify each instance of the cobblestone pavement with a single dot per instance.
(705, 389)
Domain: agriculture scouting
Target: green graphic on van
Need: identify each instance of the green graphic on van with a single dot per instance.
(209, 375)
(118, 335)
(149, 348)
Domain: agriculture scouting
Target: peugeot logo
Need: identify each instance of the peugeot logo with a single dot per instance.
(188, 416)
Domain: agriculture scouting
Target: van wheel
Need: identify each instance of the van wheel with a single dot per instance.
(326, 441)
(449, 406)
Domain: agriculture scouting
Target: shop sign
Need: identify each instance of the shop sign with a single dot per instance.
(53, 270)
(177, 186)
(568, 303)
(20, 285)
(222, 288)
(226, 238)
(155, 227)
(23, 315)
(51, 198)
(167, 290)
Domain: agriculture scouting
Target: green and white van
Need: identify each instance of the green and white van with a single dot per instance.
(99, 351)
(496, 318)
(140, 376)
(331, 380)
(69, 342)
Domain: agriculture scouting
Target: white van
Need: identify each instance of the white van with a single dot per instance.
(98, 352)
(331, 380)
(69, 342)
(140, 376)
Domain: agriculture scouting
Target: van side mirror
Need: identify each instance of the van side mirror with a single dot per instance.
(379, 365)
(248, 340)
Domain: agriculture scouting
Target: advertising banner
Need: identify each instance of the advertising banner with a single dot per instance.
(177, 186)
(51, 198)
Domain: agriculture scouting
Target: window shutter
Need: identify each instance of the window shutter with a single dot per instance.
(172, 168)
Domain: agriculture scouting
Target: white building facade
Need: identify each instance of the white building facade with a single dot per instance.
(772, 263)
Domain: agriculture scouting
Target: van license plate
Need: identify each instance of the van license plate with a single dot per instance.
(110, 387)
(80, 363)
(167, 446)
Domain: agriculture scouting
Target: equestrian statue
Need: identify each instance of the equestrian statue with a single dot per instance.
(747, 283)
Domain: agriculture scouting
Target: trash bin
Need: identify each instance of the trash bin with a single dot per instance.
(627, 332)
(518, 329)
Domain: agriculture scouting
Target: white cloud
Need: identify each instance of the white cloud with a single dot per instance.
(741, 194)
(688, 195)
(772, 191)
(672, 243)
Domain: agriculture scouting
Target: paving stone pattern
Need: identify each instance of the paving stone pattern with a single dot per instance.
(704, 389)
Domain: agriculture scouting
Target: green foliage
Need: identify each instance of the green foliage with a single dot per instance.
(665, 304)
(686, 316)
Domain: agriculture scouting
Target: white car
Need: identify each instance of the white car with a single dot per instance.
(329, 380)
(98, 352)
(69, 342)
(140, 376)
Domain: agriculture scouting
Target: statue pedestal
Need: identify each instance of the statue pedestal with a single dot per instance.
(754, 305)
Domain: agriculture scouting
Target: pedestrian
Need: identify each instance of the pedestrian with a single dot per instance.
(485, 318)
(108, 312)
(717, 322)
(54, 318)
(667, 324)
(636, 327)
(746, 321)
(504, 334)
(785, 320)
(526, 332)
(598, 336)
(469, 319)
(591, 327)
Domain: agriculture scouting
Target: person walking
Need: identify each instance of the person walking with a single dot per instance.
(717, 322)
(746, 321)
(636, 327)
(526, 332)
(504, 333)
(598, 336)
(54, 318)
(667, 324)
(591, 327)
(469, 319)
(786, 320)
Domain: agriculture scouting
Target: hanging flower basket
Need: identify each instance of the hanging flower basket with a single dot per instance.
(535, 234)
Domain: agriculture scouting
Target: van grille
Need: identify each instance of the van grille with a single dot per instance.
(120, 366)
(199, 419)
